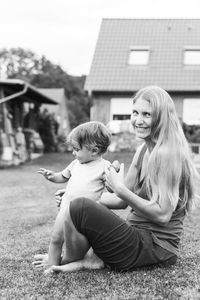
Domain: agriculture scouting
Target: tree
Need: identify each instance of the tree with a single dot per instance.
(20, 63)
(42, 73)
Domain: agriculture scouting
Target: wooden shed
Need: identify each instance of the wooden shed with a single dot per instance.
(19, 109)
(60, 111)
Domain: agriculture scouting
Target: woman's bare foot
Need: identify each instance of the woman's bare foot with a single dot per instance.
(90, 261)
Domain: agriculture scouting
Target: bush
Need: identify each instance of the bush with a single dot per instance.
(192, 133)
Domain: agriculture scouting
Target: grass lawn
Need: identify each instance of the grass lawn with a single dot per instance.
(27, 214)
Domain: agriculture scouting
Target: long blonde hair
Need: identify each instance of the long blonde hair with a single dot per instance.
(170, 168)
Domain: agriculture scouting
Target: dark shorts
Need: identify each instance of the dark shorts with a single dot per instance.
(120, 245)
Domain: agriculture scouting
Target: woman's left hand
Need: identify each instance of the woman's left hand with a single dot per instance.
(114, 180)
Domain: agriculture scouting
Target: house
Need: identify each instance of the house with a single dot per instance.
(59, 111)
(134, 53)
(19, 109)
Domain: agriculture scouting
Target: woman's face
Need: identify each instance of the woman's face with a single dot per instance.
(141, 118)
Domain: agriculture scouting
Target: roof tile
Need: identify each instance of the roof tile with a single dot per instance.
(166, 39)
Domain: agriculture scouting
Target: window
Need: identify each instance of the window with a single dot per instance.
(120, 108)
(192, 57)
(138, 57)
(191, 109)
(121, 117)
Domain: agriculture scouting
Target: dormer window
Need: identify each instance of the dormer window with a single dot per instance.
(138, 56)
(192, 56)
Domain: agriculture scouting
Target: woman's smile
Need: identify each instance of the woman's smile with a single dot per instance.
(142, 132)
(142, 129)
(141, 118)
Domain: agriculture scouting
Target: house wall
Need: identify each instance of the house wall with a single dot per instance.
(100, 110)
(179, 104)
(62, 114)
(178, 101)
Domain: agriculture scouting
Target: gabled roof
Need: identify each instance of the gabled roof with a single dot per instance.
(56, 94)
(166, 39)
(19, 89)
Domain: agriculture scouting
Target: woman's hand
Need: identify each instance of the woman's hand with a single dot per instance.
(114, 180)
(116, 165)
(58, 196)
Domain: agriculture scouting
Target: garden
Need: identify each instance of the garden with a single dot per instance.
(27, 214)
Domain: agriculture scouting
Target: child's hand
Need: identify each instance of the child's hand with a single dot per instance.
(48, 174)
(116, 165)
(40, 261)
(58, 196)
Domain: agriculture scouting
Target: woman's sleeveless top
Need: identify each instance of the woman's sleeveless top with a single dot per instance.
(167, 236)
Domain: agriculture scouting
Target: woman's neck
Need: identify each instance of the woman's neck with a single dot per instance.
(150, 145)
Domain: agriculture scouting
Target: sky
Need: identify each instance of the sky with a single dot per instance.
(66, 31)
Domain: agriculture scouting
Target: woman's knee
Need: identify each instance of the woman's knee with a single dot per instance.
(77, 206)
(77, 210)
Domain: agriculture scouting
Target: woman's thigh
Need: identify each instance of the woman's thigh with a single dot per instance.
(120, 245)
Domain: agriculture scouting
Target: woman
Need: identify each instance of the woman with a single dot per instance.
(159, 188)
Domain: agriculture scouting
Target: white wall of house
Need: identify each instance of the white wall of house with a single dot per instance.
(191, 111)
(120, 108)
(105, 108)
(178, 102)
(100, 111)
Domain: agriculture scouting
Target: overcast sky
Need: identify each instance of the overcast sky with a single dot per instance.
(66, 31)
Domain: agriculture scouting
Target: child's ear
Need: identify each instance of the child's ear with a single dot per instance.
(95, 151)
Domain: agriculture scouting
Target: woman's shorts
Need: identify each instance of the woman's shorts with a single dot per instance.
(120, 245)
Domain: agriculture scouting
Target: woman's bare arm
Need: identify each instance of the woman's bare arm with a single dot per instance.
(158, 212)
(111, 200)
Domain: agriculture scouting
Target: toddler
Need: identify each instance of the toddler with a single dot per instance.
(84, 176)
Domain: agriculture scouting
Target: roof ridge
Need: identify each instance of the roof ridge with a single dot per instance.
(39, 88)
(140, 18)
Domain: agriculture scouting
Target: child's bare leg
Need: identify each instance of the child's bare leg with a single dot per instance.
(75, 248)
(75, 244)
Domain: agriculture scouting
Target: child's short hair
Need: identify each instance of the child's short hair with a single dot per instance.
(91, 135)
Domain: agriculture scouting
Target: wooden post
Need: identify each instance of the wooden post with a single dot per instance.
(2, 108)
